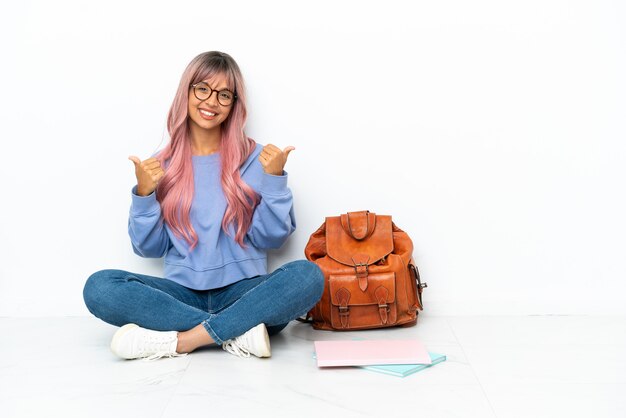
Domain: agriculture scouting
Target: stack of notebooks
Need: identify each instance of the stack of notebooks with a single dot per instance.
(395, 357)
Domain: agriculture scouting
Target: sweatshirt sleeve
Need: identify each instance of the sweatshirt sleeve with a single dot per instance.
(145, 226)
(273, 220)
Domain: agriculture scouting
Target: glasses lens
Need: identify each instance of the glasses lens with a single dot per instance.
(202, 91)
(225, 97)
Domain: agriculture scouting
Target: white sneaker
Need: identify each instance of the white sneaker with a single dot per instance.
(131, 341)
(254, 341)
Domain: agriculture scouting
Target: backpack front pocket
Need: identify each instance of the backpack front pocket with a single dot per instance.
(354, 307)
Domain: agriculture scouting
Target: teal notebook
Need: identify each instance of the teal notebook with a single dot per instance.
(404, 370)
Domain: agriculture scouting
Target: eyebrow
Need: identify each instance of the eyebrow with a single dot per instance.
(224, 88)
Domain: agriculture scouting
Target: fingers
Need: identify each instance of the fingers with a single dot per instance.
(148, 170)
(266, 157)
(150, 165)
(156, 175)
(268, 154)
(148, 173)
(273, 159)
(271, 150)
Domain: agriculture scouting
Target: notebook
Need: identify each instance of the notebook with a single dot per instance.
(370, 352)
(404, 370)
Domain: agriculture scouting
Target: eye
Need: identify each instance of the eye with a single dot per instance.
(202, 89)
(224, 94)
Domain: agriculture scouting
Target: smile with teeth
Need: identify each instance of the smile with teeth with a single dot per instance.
(207, 113)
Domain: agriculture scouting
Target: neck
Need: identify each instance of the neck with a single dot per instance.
(203, 141)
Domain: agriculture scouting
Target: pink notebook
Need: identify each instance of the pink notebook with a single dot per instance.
(366, 353)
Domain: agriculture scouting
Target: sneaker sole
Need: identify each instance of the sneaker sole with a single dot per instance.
(265, 350)
(119, 334)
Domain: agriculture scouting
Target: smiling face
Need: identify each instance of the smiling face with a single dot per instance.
(209, 114)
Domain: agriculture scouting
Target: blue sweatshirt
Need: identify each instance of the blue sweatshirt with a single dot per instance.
(217, 260)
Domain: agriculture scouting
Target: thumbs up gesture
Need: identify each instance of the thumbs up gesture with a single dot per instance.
(148, 174)
(273, 159)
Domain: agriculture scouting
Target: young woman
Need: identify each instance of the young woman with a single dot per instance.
(212, 201)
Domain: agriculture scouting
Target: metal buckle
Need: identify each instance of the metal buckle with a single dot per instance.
(362, 273)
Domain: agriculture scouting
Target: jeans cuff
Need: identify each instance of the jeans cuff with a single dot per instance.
(212, 333)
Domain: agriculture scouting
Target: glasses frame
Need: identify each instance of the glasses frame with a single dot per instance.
(193, 86)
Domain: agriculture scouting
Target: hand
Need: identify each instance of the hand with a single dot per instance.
(148, 174)
(273, 159)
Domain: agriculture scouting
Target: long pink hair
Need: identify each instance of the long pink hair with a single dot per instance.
(176, 188)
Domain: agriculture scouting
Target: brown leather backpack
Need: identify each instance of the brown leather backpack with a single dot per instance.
(371, 278)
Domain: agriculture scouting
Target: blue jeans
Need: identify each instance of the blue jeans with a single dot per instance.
(120, 297)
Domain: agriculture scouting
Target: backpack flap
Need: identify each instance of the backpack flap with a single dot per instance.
(363, 233)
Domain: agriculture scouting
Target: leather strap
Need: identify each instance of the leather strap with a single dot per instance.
(343, 296)
(381, 297)
(419, 284)
(307, 319)
(361, 262)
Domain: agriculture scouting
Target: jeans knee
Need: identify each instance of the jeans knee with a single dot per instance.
(96, 287)
(312, 278)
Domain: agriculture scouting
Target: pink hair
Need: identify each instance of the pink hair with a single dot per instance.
(176, 188)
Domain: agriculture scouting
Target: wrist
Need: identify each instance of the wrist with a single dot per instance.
(275, 173)
(143, 192)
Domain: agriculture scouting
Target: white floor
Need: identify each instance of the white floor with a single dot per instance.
(529, 366)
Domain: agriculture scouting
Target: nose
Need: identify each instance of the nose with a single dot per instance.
(212, 99)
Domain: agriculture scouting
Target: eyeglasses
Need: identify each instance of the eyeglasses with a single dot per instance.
(202, 91)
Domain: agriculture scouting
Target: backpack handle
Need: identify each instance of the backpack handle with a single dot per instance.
(359, 225)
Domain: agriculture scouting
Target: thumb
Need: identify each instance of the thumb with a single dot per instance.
(287, 150)
(135, 160)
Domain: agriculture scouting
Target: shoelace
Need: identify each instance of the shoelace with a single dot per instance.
(236, 347)
(160, 354)
(160, 348)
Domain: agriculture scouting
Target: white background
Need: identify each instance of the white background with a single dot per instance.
(492, 131)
